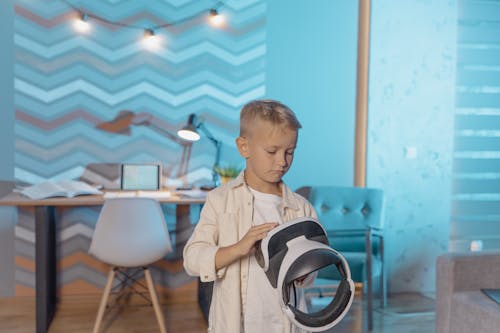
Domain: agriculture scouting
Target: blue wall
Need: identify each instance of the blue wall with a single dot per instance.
(412, 77)
(7, 90)
(8, 215)
(311, 66)
(67, 84)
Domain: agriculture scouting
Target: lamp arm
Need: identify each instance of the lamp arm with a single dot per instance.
(217, 145)
(167, 134)
(144, 119)
(148, 120)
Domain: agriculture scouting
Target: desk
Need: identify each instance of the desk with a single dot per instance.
(45, 243)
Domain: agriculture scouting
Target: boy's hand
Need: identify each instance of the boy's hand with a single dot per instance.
(229, 254)
(254, 234)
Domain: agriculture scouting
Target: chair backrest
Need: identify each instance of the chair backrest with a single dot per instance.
(130, 232)
(341, 208)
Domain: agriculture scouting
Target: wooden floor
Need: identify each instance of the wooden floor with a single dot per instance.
(405, 313)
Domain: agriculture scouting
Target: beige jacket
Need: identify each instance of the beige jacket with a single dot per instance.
(225, 218)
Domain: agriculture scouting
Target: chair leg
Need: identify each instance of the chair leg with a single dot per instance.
(154, 299)
(104, 300)
(383, 276)
(369, 279)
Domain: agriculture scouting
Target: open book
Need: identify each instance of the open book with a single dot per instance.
(63, 188)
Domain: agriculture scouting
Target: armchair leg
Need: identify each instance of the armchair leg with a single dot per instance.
(383, 276)
(369, 280)
(154, 299)
(104, 300)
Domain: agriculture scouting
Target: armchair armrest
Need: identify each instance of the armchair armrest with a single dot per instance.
(346, 233)
(462, 272)
(364, 238)
(468, 271)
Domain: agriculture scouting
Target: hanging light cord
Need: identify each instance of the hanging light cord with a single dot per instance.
(84, 13)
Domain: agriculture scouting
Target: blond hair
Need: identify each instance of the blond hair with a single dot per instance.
(269, 110)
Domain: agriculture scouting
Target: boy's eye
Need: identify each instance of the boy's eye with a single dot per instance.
(271, 151)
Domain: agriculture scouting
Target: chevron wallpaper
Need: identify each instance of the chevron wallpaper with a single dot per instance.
(67, 83)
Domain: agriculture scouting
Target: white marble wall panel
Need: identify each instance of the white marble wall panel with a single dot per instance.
(411, 107)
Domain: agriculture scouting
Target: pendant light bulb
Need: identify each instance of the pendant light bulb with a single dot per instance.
(215, 18)
(81, 23)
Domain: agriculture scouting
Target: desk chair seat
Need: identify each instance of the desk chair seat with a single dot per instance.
(130, 232)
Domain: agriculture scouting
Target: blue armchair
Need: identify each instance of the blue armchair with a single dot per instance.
(353, 219)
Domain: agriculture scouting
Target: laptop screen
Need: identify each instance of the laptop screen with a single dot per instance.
(140, 177)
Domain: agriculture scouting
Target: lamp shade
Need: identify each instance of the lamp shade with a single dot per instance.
(189, 131)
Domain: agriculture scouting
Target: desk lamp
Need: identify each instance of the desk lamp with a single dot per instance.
(190, 133)
(125, 119)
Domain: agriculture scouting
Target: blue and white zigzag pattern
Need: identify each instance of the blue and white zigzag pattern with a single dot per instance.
(66, 83)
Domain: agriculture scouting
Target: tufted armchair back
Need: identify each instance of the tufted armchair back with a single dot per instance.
(354, 219)
(348, 209)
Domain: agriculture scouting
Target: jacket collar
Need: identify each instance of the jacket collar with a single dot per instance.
(289, 199)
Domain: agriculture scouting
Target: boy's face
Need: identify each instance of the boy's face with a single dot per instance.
(268, 150)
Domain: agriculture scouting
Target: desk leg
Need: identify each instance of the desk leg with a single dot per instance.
(45, 230)
(183, 227)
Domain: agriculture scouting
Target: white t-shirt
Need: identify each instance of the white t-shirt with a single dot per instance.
(262, 311)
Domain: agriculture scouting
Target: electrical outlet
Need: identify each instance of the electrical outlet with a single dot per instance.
(476, 245)
(410, 152)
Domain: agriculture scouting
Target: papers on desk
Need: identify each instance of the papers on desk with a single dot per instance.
(62, 188)
(138, 194)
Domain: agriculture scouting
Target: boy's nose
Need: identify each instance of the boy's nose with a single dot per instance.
(281, 160)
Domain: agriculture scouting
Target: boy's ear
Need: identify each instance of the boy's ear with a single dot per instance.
(242, 144)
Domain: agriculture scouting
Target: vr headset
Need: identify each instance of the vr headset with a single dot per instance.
(293, 250)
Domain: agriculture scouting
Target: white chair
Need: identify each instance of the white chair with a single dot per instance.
(130, 232)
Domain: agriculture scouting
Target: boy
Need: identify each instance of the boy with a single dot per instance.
(242, 212)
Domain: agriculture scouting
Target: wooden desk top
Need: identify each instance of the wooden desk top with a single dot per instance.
(16, 199)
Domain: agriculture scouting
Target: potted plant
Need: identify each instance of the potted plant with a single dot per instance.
(227, 173)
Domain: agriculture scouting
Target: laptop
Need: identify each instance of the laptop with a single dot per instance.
(140, 177)
(494, 294)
